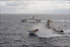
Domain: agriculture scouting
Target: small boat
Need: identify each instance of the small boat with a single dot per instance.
(32, 32)
(24, 20)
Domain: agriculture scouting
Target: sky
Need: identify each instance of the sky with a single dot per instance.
(34, 6)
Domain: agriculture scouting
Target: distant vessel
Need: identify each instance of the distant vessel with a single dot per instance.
(31, 20)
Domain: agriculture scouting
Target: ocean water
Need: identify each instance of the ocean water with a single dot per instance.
(13, 33)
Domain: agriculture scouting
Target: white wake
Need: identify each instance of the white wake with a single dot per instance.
(45, 32)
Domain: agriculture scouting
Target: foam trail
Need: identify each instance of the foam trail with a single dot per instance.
(44, 31)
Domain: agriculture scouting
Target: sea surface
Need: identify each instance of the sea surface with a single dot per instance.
(14, 33)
